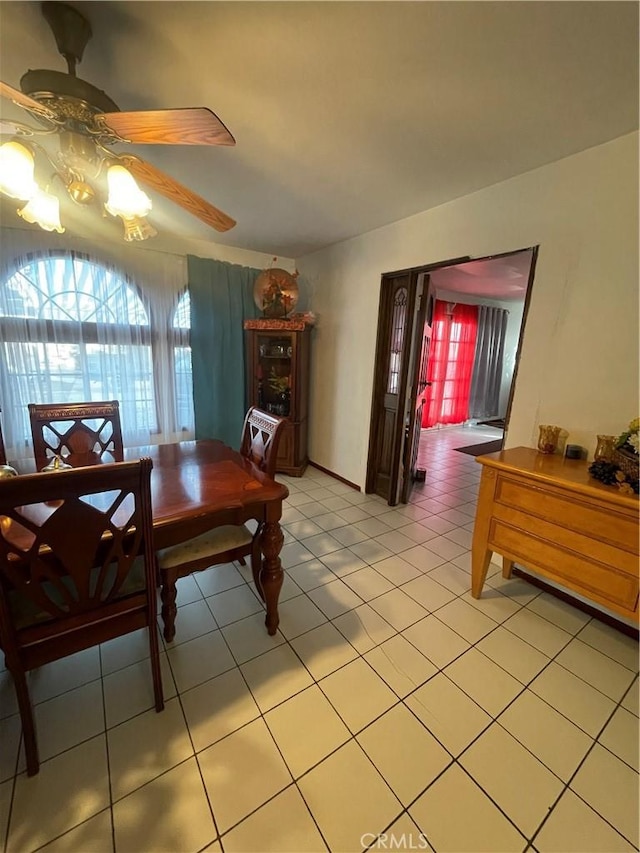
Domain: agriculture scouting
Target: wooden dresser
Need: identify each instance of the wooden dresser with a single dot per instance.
(547, 514)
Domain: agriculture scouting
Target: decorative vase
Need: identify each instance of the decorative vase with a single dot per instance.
(285, 399)
(548, 438)
(605, 448)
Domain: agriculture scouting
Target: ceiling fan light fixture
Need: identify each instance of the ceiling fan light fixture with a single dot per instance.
(16, 171)
(43, 209)
(81, 192)
(126, 199)
(137, 228)
(85, 120)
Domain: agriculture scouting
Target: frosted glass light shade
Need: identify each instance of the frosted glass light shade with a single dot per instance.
(137, 228)
(43, 210)
(126, 199)
(16, 171)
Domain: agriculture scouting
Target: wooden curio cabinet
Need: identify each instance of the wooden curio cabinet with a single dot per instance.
(277, 368)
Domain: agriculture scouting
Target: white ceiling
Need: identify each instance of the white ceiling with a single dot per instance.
(350, 115)
(504, 278)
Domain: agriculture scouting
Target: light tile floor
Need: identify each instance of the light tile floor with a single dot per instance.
(390, 711)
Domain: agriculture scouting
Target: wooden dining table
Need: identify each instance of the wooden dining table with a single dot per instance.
(199, 485)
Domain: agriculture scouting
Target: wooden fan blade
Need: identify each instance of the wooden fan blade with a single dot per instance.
(15, 95)
(176, 192)
(190, 126)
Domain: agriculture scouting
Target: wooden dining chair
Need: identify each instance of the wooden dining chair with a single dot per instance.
(259, 444)
(83, 433)
(77, 569)
(260, 438)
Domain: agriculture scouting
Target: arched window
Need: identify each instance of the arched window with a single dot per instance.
(182, 363)
(74, 330)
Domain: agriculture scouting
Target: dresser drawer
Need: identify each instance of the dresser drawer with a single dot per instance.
(569, 510)
(601, 582)
(596, 550)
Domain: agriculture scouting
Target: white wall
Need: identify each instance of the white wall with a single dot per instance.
(579, 364)
(512, 336)
(159, 264)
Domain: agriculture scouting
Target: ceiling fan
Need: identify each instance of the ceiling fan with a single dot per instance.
(87, 123)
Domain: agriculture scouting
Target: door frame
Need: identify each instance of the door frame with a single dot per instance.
(380, 365)
(525, 311)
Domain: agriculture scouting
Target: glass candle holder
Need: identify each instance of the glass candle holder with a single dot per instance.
(605, 448)
(548, 438)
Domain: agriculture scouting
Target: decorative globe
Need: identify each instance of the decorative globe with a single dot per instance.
(275, 292)
(7, 471)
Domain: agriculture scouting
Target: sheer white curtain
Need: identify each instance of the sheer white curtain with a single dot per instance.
(82, 321)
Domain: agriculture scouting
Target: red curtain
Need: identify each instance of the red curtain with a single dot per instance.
(453, 342)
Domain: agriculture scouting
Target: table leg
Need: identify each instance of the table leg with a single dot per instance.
(168, 596)
(480, 553)
(271, 575)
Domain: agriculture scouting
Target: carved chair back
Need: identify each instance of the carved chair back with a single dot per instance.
(260, 438)
(83, 433)
(77, 568)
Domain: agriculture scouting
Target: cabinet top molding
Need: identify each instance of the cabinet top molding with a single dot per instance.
(276, 325)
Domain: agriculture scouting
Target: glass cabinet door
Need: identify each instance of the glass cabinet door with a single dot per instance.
(274, 373)
(277, 359)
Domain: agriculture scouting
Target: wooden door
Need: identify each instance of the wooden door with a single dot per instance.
(391, 409)
(393, 350)
(418, 388)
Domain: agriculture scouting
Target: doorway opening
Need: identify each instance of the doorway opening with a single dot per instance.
(449, 341)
